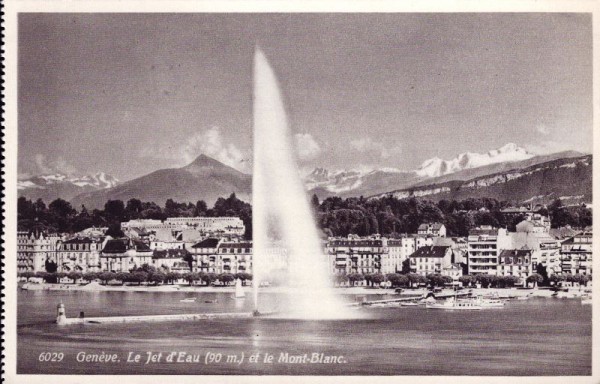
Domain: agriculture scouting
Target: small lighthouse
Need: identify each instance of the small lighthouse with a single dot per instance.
(61, 317)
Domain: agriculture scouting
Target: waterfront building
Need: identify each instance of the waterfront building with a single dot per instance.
(576, 254)
(454, 271)
(398, 250)
(432, 229)
(205, 255)
(354, 254)
(80, 254)
(516, 262)
(222, 256)
(172, 260)
(234, 257)
(545, 248)
(432, 259)
(484, 246)
(34, 249)
(124, 255)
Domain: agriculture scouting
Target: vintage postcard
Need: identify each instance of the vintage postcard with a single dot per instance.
(278, 192)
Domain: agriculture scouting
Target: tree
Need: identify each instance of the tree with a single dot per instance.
(90, 276)
(50, 266)
(123, 277)
(542, 271)
(106, 276)
(27, 275)
(555, 279)
(173, 276)
(341, 279)
(406, 267)
(243, 276)
(115, 209)
(201, 208)
(139, 277)
(535, 278)
(114, 230)
(226, 278)
(437, 280)
(209, 278)
(397, 279)
(189, 277)
(355, 277)
(61, 208)
(507, 281)
(486, 280)
(415, 279)
(377, 278)
(467, 280)
(134, 208)
(156, 277)
(74, 275)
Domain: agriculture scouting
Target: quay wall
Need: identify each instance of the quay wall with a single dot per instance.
(61, 320)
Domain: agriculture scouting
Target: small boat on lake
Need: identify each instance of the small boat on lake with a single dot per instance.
(188, 300)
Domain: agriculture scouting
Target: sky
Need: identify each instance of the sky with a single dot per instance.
(128, 94)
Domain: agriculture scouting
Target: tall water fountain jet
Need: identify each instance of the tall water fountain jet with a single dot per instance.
(279, 202)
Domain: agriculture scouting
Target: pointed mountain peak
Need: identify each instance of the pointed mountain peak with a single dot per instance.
(206, 164)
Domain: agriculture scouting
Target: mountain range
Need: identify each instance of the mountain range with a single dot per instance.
(507, 173)
(52, 186)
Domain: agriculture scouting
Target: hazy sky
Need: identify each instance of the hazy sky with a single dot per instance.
(131, 93)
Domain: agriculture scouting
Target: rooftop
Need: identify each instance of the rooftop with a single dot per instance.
(438, 251)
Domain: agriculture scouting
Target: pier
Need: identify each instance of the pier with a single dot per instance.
(414, 297)
(62, 319)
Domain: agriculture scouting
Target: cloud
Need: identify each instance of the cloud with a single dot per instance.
(209, 142)
(307, 147)
(543, 129)
(59, 165)
(366, 144)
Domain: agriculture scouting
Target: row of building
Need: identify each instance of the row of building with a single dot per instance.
(486, 250)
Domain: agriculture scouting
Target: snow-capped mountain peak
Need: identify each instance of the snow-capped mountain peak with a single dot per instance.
(99, 180)
(437, 167)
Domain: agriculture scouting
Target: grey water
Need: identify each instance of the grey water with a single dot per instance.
(540, 336)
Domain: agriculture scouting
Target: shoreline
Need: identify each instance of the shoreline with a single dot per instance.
(174, 288)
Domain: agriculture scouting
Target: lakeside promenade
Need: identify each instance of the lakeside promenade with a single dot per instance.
(501, 292)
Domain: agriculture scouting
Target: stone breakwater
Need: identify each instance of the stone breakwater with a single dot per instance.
(63, 320)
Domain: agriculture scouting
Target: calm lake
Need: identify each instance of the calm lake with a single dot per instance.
(539, 336)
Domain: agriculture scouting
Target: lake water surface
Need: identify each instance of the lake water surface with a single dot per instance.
(540, 336)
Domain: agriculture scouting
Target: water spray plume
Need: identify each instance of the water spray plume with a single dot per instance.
(279, 199)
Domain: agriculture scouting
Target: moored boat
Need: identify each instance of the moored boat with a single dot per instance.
(188, 300)
(452, 303)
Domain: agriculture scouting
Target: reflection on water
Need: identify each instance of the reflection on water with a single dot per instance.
(533, 337)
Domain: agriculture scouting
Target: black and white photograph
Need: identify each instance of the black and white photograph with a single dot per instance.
(301, 194)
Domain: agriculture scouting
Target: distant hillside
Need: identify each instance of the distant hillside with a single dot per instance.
(569, 179)
(204, 179)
